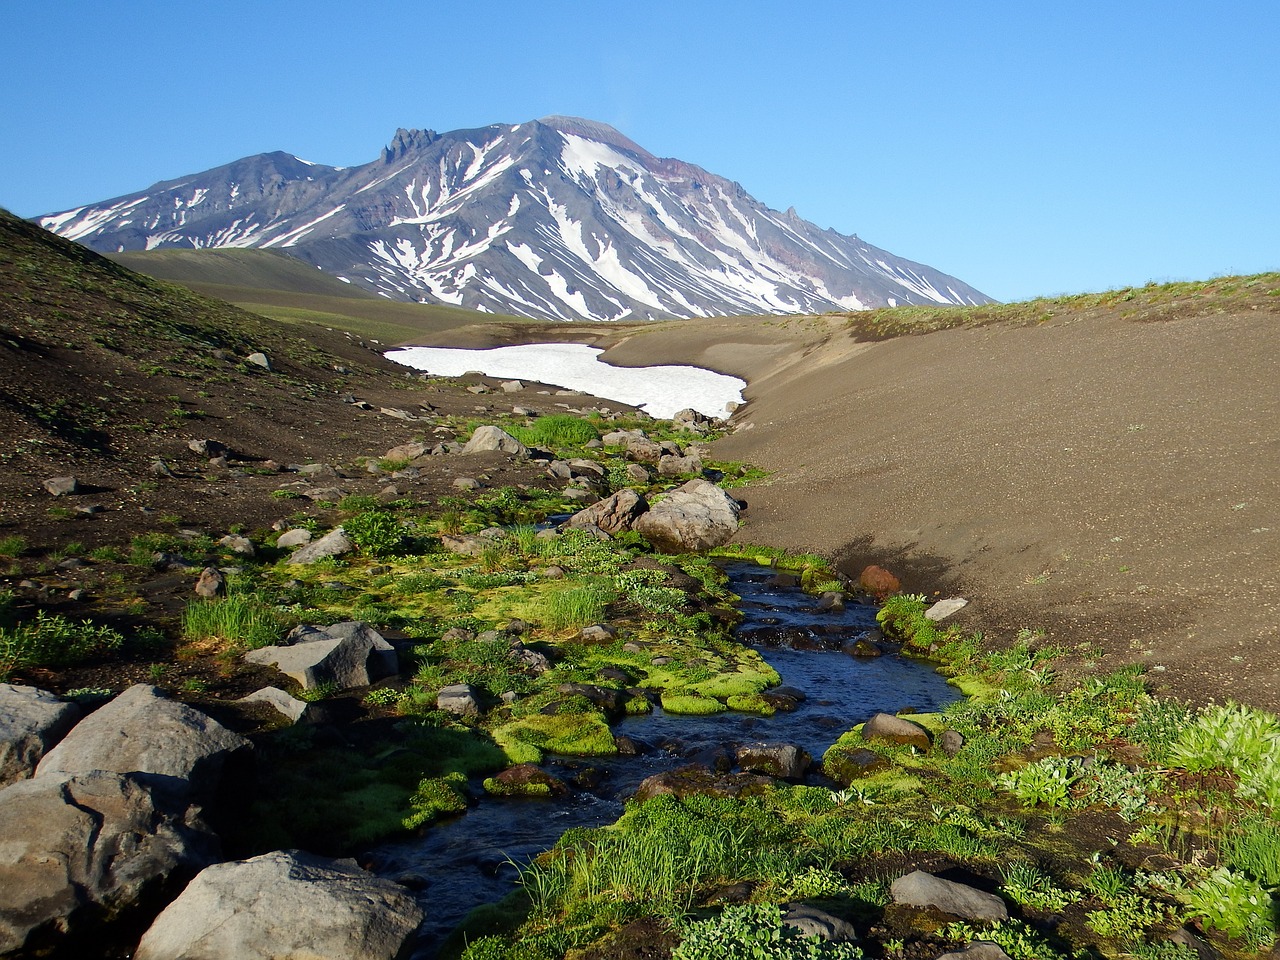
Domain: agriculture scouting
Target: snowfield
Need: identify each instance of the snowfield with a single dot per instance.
(659, 391)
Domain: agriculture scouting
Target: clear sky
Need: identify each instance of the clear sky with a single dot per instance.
(1029, 148)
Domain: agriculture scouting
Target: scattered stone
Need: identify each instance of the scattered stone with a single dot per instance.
(319, 471)
(348, 654)
(887, 728)
(692, 518)
(473, 544)
(690, 419)
(526, 780)
(977, 950)
(291, 707)
(478, 389)
(863, 648)
(613, 514)
(951, 742)
(62, 486)
(466, 483)
(460, 700)
(581, 495)
(211, 583)
(818, 924)
(90, 509)
(79, 593)
(166, 744)
(259, 360)
(597, 633)
(844, 766)
(398, 413)
(832, 601)
(494, 438)
(293, 538)
(920, 889)
(332, 544)
(945, 608)
(83, 847)
(511, 386)
(284, 904)
(32, 721)
(208, 448)
(783, 760)
(878, 581)
(533, 661)
(241, 546)
(406, 451)
(697, 780)
(677, 466)
(637, 474)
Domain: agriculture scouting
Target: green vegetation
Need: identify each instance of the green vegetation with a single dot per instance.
(557, 431)
(240, 620)
(50, 640)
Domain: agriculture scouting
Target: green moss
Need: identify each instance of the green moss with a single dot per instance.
(574, 734)
(750, 703)
(499, 789)
(690, 704)
(436, 796)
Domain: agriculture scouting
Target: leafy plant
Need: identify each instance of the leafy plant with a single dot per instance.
(754, 931)
(376, 532)
(1235, 904)
(1046, 781)
(51, 640)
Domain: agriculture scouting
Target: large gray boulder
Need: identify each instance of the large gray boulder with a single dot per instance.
(348, 654)
(887, 728)
(785, 760)
(167, 744)
(920, 889)
(488, 438)
(332, 544)
(286, 905)
(31, 722)
(696, 516)
(818, 924)
(613, 514)
(74, 849)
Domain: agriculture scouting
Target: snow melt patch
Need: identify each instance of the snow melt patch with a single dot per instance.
(660, 391)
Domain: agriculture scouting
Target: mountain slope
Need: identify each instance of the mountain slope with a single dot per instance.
(558, 218)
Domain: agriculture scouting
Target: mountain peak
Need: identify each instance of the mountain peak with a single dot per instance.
(405, 141)
(594, 130)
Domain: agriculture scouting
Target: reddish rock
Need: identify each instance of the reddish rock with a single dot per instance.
(878, 581)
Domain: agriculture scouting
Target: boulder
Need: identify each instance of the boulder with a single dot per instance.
(211, 583)
(783, 760)
(459, 699)
(818, 924)
(73, 849)
(165, 743)
(951, 742)
(613, 514)
(332, 544)
(945, 608)
(348, 654)
(473, 544)
(291, 707)
(241, 546)
(31, 722)
(977, 950)
(259, 359)
(878, 581)
(525, 780)
(286, 905)
(61, 486)
(887, 728)
(675, 466)
(494, 438)
(698, 780)
(637, 474)
(924, 890)
(293, 538)
(694, 517)
(643, 449)
(690, 419)
(406, 451)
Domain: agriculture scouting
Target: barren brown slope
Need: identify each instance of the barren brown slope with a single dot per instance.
(1110, 474)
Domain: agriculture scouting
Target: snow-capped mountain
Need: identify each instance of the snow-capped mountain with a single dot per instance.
(558, 218)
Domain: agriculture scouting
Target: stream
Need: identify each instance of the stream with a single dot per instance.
(471, 860)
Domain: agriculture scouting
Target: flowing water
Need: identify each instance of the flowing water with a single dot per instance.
(473, 858)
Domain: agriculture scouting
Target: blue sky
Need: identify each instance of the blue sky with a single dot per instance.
(1027, 148)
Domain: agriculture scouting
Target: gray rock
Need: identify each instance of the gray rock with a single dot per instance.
(784, 760)
(167, 744)
(208, 448)
(676, 466)
(286, 905)
(511, 386)
(818, 924)
(332, 544)
(241, 546)
(494, 438)
(466, 483)
(348, 654)
(293, 538)
(637, 474)
(887, 728)
(160, 469)
(291, 707)
(945, 608)
(319, 471)
(613, 514)
(696, 516)
(73, 849)
(259, 359)
(406, 451)
(978, 950)
(398, 413)
(951, 742)
(473, 544)
(211, 583)
(920, 889)
(459, 699)
(597, 633)
(31, 722)
(61, 486)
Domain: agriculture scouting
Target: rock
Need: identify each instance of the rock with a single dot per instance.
(945, 608)
(637, 474)
(211, 583)
(951, 742)
(398, 413)
(319, 471)
(675, 466)
(286, 904)
(160, 469)
(31, 722)
(597, 633)
(920, 889)
(459, 699)
(166, 744)
(694, 517)
(525, 779)
(494, 438)
(62, 486)
(978, 950)
(326, 494)
(348, 654)
(473, 544)
(690, 419)
(293, 538)
(862, 647)
(643, 449)
(241, 546)
(291, 707)
(887, 728)
(533, 661)
(511, 386)
(466, 483)
(878, 581)
(832, 601)
(818, 924)
(259, 360)
(844, 766)
(696, 780)
(406, 451)
(75, 849)
(332, 544)
(208, 448)
(783, 760)
(613, 514)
